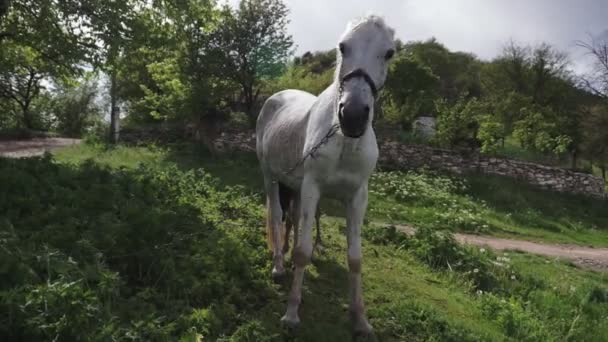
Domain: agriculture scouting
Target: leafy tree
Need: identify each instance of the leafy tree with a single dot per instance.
(595, 144)
(458, 72)
(255, 44)
(597, 80)
(539, 132)
(318, 62)
(298, 76)
(411, 89)
(74, 106)
(458, 124)
(21, 71)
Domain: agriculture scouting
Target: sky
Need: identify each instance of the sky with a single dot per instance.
(478, 26)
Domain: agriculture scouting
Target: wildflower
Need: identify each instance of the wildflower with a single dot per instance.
(513, 277)
(482, 250)
(476, 270)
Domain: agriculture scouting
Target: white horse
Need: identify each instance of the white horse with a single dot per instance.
(308, 146)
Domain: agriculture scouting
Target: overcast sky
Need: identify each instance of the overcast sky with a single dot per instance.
(478, 26)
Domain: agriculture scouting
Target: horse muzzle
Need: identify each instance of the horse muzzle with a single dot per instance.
(353, 117)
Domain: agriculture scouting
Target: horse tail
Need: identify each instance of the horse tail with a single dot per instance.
(286, 196)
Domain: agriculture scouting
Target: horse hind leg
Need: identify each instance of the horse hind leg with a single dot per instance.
(274, 227)
(287, 200)
(318, 243)
(289, 223)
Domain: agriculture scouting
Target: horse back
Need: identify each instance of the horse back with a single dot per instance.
(281, 132)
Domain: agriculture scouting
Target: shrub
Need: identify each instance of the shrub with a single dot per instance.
(90, 253)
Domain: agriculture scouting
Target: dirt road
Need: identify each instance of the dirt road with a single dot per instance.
(594, 258)
(33, 147)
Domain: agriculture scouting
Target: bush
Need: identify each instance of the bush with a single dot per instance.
(87, 253)
(75, 109)
(431, 190)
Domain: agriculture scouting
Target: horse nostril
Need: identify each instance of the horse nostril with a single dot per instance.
(366, 109)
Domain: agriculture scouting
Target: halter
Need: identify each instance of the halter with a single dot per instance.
(358, 73)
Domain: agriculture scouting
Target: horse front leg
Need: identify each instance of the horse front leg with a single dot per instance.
(355, 212)
(309, 197)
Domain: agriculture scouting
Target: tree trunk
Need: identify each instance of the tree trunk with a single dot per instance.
(251, 97)
(114, 110)
(574, 159)
(26, 118)
(603, 168)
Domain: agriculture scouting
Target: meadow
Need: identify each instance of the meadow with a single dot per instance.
(167, 243)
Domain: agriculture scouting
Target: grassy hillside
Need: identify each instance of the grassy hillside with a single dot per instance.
(111, 249)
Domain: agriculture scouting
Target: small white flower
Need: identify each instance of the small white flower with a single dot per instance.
(513, 277)
(482, 250)
(476, 270)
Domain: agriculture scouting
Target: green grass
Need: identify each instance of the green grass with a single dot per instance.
(111, 249)
(488, 205)
(479, 204)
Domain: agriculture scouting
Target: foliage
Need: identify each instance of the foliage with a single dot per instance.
(74, 107)
(411, 88)
(298, 77)
(537, 131)
(99, 253)
(596, 145)
(525, 305)
(481, 204)
(458, 124)
(21, 71)
(434, 191)
(255, 45)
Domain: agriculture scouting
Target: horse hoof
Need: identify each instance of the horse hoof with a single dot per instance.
(292, 323)
(361, 326)
(319, 248)
(363, 329)
(278, 275)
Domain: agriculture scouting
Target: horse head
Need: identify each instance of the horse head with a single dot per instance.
(364, 52)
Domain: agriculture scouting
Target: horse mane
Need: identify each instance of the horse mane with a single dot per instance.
(370, 19)
(355, 24)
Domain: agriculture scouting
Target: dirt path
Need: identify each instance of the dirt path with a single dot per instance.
(594, 258)
(33, 147)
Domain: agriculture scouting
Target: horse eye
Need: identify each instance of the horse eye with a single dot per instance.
(342, 48)
(389, 54)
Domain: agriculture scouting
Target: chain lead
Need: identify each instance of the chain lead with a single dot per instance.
(332, 131)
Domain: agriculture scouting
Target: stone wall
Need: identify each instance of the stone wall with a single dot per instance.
(407, 157)
(402, 156)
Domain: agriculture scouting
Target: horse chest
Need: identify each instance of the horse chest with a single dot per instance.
(345, 165)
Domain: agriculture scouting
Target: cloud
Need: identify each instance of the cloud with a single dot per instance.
(478, 26)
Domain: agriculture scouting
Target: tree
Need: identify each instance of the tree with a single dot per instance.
(458, 72)
(595, 144)
(108, 27)
(547, 64)
(597, 80)
(21, 71)
(255, 44)
(458, 123)
(74, 107)
(411, 89)
(538, 130)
